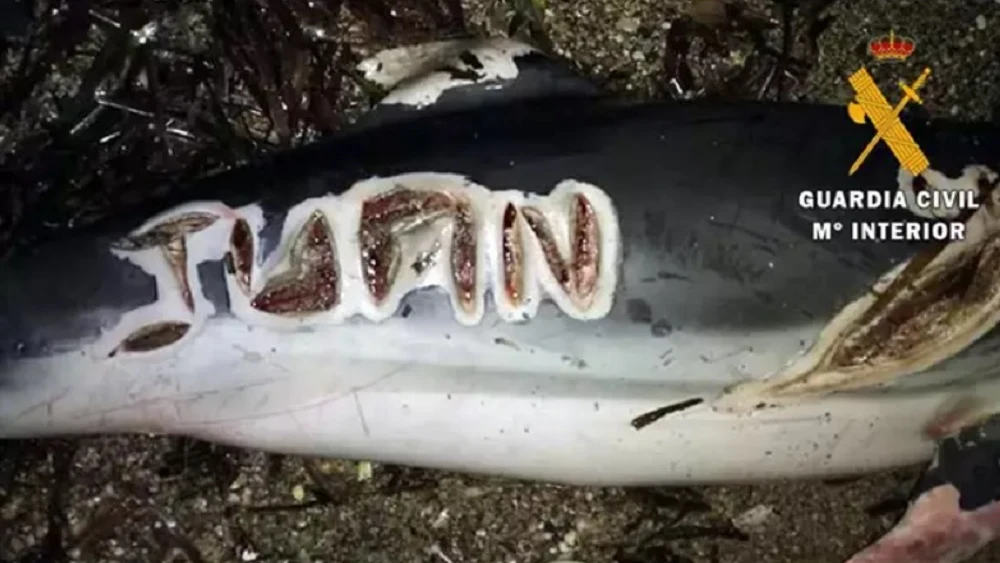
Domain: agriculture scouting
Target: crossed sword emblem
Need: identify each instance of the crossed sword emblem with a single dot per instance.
(869, 102)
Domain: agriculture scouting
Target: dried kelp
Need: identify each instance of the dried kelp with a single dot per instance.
(725, 50)
(104, 104)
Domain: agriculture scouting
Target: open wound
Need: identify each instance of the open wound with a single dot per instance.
(173, 229)
(919, 314)
(401, 236)
(152, 337)
(577, 274)
(169, 238)
(309, 284)
(413, 231)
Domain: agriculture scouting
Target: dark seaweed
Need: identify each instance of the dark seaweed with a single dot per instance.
(645, 419)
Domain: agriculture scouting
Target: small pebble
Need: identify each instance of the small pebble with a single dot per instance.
(365, 470)
(441, 520)
(628, 24)
(754, 519)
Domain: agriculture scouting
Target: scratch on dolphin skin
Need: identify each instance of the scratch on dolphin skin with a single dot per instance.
(361, 415)
(194, 396)
(759, 237)
(710, 359)
(309, 406)
(176, 399)
(506, 342)
(788, 420)
(665, 275)
(47, 403)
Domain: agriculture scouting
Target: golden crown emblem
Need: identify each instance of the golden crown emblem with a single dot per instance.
(891, 48)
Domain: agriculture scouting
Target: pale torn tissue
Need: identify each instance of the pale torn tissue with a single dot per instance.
(419, 74)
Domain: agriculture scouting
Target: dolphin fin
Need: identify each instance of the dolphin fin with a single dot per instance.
(463, 74)
(954, 509)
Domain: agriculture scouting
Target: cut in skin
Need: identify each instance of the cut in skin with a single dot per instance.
(522, 289)
(948, 294)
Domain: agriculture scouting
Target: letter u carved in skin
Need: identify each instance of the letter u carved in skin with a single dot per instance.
(385, 217)
(578, 274)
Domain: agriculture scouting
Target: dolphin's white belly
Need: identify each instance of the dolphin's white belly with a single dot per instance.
(558, 405)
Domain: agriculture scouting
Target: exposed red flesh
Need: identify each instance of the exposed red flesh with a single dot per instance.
(176, 254)
(540, 226)
(384, 215)
(402, 203)
(578, 276)
(378, 258)
(241, 253)
(171, 229)
(463, 255)
(586, 250)
(152, 337)
(513, 255)
(311, 285)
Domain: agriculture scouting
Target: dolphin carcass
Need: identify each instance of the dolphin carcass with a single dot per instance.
(545, 283)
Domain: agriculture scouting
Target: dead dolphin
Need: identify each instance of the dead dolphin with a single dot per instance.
(560, 287)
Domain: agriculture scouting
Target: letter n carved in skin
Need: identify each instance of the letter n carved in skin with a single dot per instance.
(577, 274)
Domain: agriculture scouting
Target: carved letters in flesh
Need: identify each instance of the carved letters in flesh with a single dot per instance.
(394, 235)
